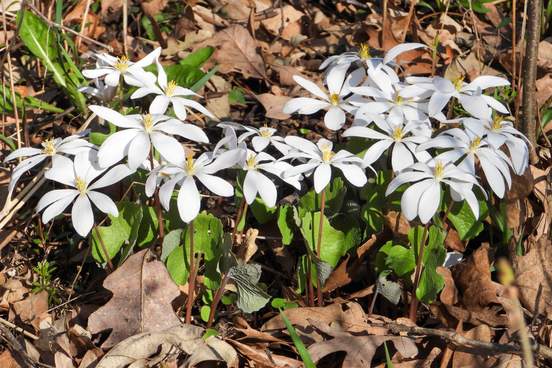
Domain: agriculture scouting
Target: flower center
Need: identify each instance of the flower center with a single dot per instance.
(334, 99)
(327, 153)
(190, 163)
(80, 184)
(147, 120)
(171, 86)
(439, 170)
(49, 147)
(474, 145)
(265, 132)
(364, 51)
(251, 161)
(497, 123)
(458, 83)
(122, 64)
(398, 134)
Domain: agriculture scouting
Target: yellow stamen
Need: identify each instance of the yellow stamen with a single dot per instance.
(399, 100)
(334, 99)
(327, 153)
(80, 184)
(458, 82)
(439, 170)
(147, 120)
(364, 51)
(398, 134)
(251, 161)
(474, 145)
(497, 123)
(190, 164)
(265, 132)
(171, 86)
(49, 147)
(122, 64)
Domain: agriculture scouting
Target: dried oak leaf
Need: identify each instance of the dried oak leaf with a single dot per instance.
(462, 359)
(142, 295)
(153, 7)
(263, 357)
(473, 279)
(361, 349)
(534, 269)
(273, 105)
(151, 348)
(237, 52)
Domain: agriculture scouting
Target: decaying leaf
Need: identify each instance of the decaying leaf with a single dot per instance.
(361, 349)
(149, 349)
(273, 105)
(462, 359)
(251, 297)
(142, 295)
(237, 52)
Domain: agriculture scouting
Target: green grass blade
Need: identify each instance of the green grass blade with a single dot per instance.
(301, 349)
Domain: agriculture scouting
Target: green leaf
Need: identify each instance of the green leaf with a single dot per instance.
(123, 229)
(337, 238)
(236, 97)
(281, 303)
(301, 349)
(431, 283)
(197, 58)
(335, 193)
(251, 297)
(172, 240)
(286, 223)
(204, 312)
(6, 102)
(399, 259)
(40, 39)
(208, 232)
(463, 220)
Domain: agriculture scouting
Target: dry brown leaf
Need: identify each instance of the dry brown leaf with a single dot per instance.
(544, 90)
(284, 23)
(93, 28)
(273, 105)
(473, 279)
(534, 269)
(237, 52)
(33, 308)
(90, 359)
(461, 359)
(262, 357)
(7, 360)
(449, 294)
(361, 349)
(142, 295)
(219, 106)
(149, 349)
(544, 58)
(62, 360)
(153, 7)
(111, 6)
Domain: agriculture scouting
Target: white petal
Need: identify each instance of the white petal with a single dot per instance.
(334, 118)
(161, 75)
(486, 81)
(376, 150)
(96, 73)
(189, 201)
(82, 215)
(405, 177)
(54, 196)
(116, 174)
(293, 171)
(165, 192)
(114, 117)
(267, 189)
(62, 171)
(353, 173)
(304, 105)
(364, 132)
(250, 187)
(188, 131)
(259, 143)
(115, 147)
(193, 104)
(495, 104)
(494, 178)
(411, 198)
(429, 202)
(149, 58)
(475, 105)
(302, 145)
(159, 105)
(310, 86)
(335, 78)
(138, 150)
(216, 185)
(21, 152)
(443, 85)
(144, 91)
(399, 49)
(168, 147)
(401, 157)
(322, 176)
(112, 79)
(57, 207)
(437, 102)
(103, 202)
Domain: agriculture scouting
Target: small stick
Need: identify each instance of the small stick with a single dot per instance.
(414, 302)
(216, 300)
(125, 27)
(83, 23)
(18, 329)
(191, 275)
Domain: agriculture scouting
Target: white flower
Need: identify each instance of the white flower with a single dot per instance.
(100, 90)
(321, 158)
(400, 136)
(338, 88)
(469, 146)
(363, 55)
(169, 93)
(500, 131)
(113, 68)
(399, 100)
(422, 199)
(468, 94)
(263, 137)
(203, 169)
(256, 181)
(53, 148)
(81, 176)
(139, 133)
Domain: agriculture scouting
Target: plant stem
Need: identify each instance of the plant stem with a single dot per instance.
(192, 275)
(414, 301)
(310, 288)
(216, 300)
(319, 245)
(104, 249)
(158, 209)
(242, 211)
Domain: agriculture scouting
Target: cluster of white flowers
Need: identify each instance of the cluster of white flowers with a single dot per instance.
(393, 114)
